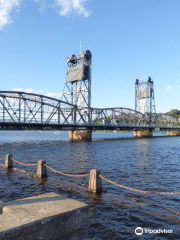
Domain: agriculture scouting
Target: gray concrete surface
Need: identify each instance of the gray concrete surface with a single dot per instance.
(45, 217)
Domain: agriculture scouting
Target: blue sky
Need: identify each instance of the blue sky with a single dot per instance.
(129, 39)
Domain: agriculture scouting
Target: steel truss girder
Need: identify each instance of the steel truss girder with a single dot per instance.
(28, 109)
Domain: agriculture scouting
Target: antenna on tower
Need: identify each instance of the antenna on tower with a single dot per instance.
(142, 73)
(80, 47)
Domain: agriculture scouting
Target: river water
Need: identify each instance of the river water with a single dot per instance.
(149, 164)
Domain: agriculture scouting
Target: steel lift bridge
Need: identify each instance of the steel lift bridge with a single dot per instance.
(73, 112)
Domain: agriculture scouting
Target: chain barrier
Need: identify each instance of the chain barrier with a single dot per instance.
(24, 164)
(136, 190)
(67, 174)
(102, 177)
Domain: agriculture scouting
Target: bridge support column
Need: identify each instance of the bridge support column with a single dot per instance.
(173, 133)
(141, 134)
(75, 136)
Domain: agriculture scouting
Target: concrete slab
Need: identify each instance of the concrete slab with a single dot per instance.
(48, 217)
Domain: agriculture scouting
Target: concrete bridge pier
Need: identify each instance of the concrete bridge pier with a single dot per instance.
(141, 134)
(75, 136)
(173, 133)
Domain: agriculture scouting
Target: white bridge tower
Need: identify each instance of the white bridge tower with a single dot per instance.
(144, 99)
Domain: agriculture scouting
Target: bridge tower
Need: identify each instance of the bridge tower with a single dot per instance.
(77, 90)
(145, 102)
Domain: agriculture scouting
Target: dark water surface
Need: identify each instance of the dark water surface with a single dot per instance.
(148, 164)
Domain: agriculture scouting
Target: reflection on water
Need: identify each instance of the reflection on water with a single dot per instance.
(148, 164)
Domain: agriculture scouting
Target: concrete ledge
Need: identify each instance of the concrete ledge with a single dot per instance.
(47, 217)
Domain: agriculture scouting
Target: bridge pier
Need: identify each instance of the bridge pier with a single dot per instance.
(173, 133)
(75, 136)
(141, 134)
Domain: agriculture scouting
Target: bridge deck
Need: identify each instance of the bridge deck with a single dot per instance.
(67, 127)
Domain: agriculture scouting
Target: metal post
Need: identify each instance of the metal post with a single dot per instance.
(42, 110)
(3, 109)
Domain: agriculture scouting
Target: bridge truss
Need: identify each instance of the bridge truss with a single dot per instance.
(26, 111)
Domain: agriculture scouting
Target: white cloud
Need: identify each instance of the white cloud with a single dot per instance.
(41, 92)
(169, 87)
(6, 9)
(69, 6)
